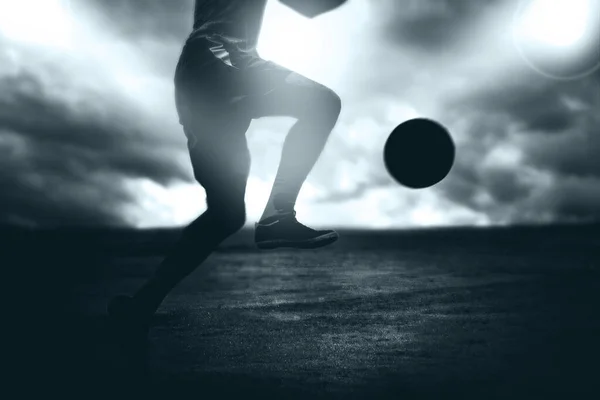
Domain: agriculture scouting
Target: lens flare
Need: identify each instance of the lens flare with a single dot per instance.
(559, 38)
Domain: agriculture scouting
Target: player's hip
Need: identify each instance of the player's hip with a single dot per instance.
(209, 82)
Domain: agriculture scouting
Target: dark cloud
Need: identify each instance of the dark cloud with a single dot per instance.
(575, 199)
(430, 25)
(553, 127)
(50, 199)
(95, 136)
(536, 107)
(67, 165)
(573, 153)
(468, 179)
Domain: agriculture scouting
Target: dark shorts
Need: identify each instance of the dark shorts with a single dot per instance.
(206, 86)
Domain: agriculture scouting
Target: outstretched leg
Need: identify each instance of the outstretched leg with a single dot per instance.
(221, 164)
(220, 159)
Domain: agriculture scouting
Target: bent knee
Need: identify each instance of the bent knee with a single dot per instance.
(335, 102)
(313, 95)
(323, 106)
(327, 101)
(230, 219)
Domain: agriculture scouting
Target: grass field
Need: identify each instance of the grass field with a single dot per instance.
(453, 313)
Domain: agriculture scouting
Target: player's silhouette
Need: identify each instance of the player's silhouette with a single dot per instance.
(221, 84)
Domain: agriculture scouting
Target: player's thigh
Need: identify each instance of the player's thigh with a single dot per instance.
(220, 158)
(203, 83)
(278, 91)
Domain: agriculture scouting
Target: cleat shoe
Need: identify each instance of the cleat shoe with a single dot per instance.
(286, 231)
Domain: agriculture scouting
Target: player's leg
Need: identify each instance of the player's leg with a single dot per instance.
(221, 166)
(221, 162)
(281, 92)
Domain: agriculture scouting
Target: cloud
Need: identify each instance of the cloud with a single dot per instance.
(527, 150)
(73, 161)
(89, 133)
(74, 132)
(430, 25)
(538, 105)
(83, 140)
(575, 198)
(140, 19)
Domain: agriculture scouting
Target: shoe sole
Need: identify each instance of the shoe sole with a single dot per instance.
(314, 243)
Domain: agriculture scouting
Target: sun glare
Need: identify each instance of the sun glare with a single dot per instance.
(45, 22)
(288, 38)
(319, 48)
(559, 38)
(556, 22)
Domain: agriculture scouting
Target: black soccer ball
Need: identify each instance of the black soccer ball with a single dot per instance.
(312, 8)
(419, 153)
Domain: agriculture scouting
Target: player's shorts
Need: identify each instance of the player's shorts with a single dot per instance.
(208, 86)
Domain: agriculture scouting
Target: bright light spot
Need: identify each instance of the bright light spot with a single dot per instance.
(46, 22)
(319, 48)
(427, 216)
(179, 204)
(308, 192)
(257, 195)
(556, 22)
(346, 183)
(367, 133)
(559, 38)
(288, 38)
(157, 205)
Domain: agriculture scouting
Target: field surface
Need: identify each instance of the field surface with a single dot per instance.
(455, 313)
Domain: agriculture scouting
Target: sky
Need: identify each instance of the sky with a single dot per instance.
(89, 133)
